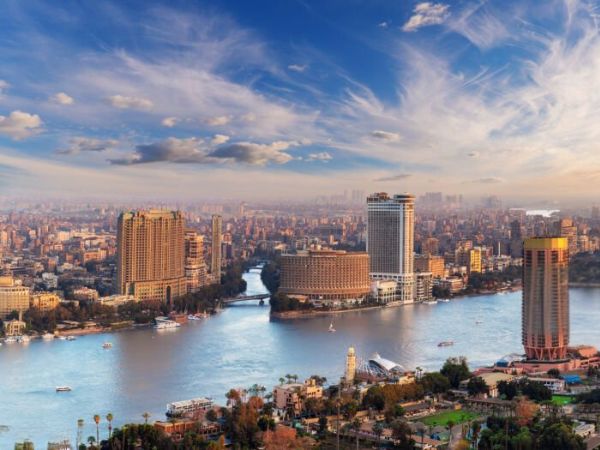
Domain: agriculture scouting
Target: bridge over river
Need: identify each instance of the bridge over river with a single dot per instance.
(244, 298)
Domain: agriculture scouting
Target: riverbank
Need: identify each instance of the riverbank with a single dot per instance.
(584, 285)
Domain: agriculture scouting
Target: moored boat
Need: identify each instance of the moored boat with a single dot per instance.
(446, 344)
(63, 388)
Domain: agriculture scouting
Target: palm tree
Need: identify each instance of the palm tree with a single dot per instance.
(109, 418)
(146, 416)
(80, 423)
(97, 420)
(281, 380)
(294, 377)
(91, 440)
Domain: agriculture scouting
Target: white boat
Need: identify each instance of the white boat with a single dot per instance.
(193, 317)
(444, 300)
(71, 338)
(47, 336)
(446, 344)
(164, 323)
(430, 302)
(63, 388)
(10, 340)
(23, 339)
(107, 345)
(331, 329)
(62, 338)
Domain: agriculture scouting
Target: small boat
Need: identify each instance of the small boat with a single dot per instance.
(47, 336)
(193, 317)
(63, 388)
(71, 338)
(23, 339)
(62, 338)
(430, 302)
(164, 323)
(478, 322)
(331, 329)
(446, 344)
(444, 300)
(107, 345)
(10, 340)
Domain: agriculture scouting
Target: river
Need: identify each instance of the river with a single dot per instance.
(238, 347)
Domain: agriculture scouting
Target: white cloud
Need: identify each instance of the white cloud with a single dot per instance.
(385, 135)
(425, 14)
(169, 122)
(320, 156)
(190, 150)
(297, 67)
(481, 25)
(62, 99)
(20, 125)
(84, 144)
(126, 102)
(218, 121)
(219, 139)
(256, 154)
(3, 86)
(383, 24)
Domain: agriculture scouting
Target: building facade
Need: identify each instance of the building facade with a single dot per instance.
(195, 267)
(45, 301)
(546, 298)
(150, 255)
(390, 240)
(430, 263)
(13, 297)
(325, 275)
(216, 256)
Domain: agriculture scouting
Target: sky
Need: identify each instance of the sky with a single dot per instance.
(292, 99)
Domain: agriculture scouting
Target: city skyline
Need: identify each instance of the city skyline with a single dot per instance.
(108, 99)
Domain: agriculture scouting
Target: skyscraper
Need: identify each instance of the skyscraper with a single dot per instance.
(195, 267)
(216, 248)
(546, 298)
(390, 240)
(150, 255)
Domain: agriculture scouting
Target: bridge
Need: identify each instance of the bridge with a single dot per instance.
(244, 298)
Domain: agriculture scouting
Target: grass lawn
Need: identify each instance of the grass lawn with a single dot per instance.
(562, 400)
(443, 418)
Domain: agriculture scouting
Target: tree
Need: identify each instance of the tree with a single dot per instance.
(554, 373)
(146, 416)
(507, 389)
(434, 383)
(456, 370)
(97, 420)
(378, 430)
(536, 391)
(401, 434)
(109, 419)
(525, 411)
(476, 386)
(91, 440)
(80, 423)
(560, 436)
(374, 398)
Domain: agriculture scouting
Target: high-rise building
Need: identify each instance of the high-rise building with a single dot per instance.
(350, 371)
(390, 240)
(546, 298)
(150, 255)
(13, 297)
(195, 267)
(566, 228)
(216, 261)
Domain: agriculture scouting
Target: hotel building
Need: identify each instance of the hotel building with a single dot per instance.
(216, 260)
(390, 241)
(13, 297)
(325, 275)
(546, 298)
(150, 255)
(195, 268)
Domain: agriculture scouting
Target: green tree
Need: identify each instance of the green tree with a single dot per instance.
(476, 386)
(456, 370)
(434, 383)
(97, 421)
(560, 436)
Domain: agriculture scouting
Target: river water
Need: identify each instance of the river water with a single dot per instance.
(240, 346)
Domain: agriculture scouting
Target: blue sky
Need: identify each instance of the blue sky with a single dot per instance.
(272, 99)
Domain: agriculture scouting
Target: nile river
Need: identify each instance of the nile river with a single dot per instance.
(146, 369)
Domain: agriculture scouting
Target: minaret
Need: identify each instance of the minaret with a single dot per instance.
(350, 366)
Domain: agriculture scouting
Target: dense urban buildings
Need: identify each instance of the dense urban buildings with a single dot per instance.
(150, 255)
(216, 256)
(195, 267)
(546, 298)
(325, 275)
(390, 241)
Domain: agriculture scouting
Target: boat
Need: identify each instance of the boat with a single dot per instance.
(444, 300)
(107, 345)
(71, 338)
(446, 344)
(10, 340)
(193, 317)
(63, 388)
(47, 336)
(163, 323)
(62, 338)
(478, 322)
(24, 339)
(430, 302)
(331, 329)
